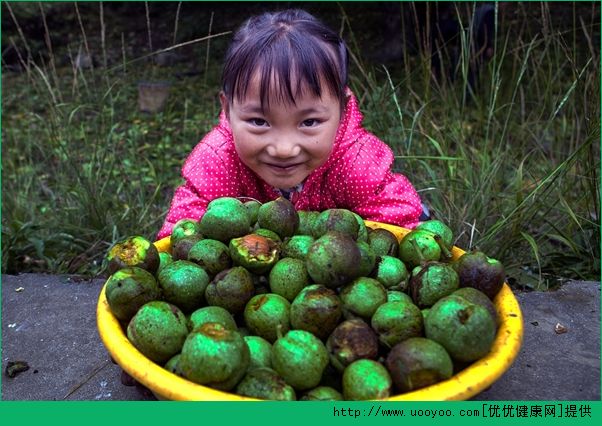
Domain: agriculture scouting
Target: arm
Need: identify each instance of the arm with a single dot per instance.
(207, 175)
(186, 203)
(374, 191)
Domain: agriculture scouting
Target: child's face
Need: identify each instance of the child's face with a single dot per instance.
(284, 143)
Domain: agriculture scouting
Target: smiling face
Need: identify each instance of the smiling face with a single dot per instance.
(283, 142)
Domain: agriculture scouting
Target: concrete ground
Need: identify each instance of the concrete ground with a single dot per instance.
(49, 322)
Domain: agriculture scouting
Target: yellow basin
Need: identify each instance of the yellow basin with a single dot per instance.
(467, 383)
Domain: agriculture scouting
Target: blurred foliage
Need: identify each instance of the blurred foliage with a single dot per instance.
(512, 166)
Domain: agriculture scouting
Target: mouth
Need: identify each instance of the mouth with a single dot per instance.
(283, 167)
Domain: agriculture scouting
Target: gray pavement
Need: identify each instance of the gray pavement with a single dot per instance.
(49, 322)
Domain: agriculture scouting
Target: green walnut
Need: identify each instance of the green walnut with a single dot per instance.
(214, 356)
(158, 330)
(466, 330)
(300, 358)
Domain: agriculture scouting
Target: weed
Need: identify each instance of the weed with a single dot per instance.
(510, 161)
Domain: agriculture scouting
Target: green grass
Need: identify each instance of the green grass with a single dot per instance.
(512, 168)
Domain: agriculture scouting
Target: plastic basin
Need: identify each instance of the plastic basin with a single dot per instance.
(464, 385)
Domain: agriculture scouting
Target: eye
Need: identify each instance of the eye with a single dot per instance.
(258, 122)
(310, 122)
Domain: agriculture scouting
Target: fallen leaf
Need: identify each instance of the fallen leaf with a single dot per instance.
(15, 367)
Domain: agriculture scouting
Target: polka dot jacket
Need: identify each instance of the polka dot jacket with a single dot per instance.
(356, 176)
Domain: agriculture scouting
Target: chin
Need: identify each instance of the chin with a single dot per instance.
(284, 183)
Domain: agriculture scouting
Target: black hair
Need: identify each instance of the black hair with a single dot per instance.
(281, 46)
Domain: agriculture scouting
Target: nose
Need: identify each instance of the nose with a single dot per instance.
(284, 148)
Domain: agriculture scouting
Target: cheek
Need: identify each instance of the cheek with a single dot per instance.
(324, 145)
(244, 147)
(320, 150)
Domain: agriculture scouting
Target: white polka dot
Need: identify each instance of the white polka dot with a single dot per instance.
(357, 176)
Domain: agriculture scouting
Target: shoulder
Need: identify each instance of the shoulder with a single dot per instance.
(366, 159)
(216, 149)
(217, 141)
(364, 169)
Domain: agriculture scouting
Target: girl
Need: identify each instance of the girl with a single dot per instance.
(291, 127)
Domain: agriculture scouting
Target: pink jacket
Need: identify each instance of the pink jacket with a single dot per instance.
(357, 176)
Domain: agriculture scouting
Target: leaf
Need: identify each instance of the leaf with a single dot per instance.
(534, 248)
(38, 245)
(565, 241)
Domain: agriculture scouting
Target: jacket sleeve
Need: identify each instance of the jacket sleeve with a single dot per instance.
(376, 193)
(208, 173)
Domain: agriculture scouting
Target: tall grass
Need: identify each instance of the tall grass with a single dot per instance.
(511, 165)
(81, 166)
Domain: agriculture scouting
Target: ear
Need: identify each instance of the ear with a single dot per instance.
(225, 104)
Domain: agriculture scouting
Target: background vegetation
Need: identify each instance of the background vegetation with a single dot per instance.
(512, 166)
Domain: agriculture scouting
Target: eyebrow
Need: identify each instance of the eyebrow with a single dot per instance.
(312, 110)
(256, 109)
(251, 108)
